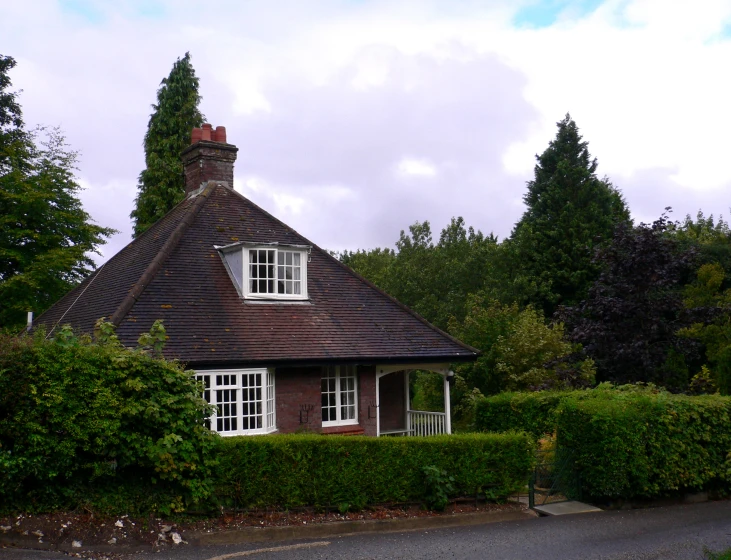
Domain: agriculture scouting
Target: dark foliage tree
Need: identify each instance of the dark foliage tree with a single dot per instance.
(630, 320)
(45, 235)
(162, 183)
(570, 212)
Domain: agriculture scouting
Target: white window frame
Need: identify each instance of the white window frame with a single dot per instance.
(352, 372)
(224, 388)
(303, 254)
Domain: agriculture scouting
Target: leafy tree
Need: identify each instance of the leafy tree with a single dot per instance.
(434, 279)
(570, 212)
(485, 323)
(45, 235)
(529, 356)
(715, 333)
(519, 351)
(710, 237)
(630, 320)
(162, 183)
(373, 265)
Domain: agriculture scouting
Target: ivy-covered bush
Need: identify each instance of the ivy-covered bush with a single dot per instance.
(529, 412)
(90, 423)
(647, 444)
(351, 472)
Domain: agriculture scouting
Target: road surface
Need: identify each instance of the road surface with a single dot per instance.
(666, 533)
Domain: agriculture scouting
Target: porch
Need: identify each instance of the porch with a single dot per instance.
(395, 417)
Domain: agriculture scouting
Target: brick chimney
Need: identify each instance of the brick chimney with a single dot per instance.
(208, 158)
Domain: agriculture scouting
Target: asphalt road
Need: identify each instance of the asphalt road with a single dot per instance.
(667, 533)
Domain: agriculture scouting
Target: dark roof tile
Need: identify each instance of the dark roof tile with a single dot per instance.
(346, 319)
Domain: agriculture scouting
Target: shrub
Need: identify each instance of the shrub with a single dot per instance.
(534, 412)
(94, 424)
(439, 486)
(645, 443)
(529, 412)
(351, 472)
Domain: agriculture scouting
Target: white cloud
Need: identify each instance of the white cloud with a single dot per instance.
(408, 167)
(325, 98)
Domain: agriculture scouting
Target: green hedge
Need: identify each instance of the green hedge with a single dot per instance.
(645, 444)
(529, 412)
(352, 472)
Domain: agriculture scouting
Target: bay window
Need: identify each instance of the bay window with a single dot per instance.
(244, 401)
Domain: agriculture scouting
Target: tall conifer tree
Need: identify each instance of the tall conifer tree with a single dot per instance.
(570, 212)
(162, 182)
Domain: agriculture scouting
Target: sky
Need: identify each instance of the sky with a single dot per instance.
(356, 118)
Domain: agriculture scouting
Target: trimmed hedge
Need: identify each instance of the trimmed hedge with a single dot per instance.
(529, 412)
(647, 445)
(351, 472)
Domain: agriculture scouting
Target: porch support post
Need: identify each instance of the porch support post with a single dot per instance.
(447, 406)
(378, 405)
(407, 418)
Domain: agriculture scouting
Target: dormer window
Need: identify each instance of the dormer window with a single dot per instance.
(267, 271)
(275, 272)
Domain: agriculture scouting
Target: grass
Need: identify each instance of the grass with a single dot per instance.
(723, 555)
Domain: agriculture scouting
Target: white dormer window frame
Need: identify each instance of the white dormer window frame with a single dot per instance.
(267, 271)
(278, 272)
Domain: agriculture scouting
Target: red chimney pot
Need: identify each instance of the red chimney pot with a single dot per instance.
(206, 132)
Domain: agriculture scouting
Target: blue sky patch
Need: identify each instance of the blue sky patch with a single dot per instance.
(91, 11)
(83, 8)
(544, 13)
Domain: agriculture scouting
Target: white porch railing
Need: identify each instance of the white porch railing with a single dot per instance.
(423, 423)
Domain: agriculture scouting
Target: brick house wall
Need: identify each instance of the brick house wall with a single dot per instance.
(392, 401)
(300, 386)
(296, 387)
(367, 398)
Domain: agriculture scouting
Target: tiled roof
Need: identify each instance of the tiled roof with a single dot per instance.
(208, 323)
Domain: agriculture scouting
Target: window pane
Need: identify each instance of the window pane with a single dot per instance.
(296, 274)
(270, 257)
(296, 260)
(270, 401)
(280, 287)
(280, 258)
(289, 258)
(252, 404)
(252, 256)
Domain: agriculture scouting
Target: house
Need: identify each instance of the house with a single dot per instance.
(283, 335)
